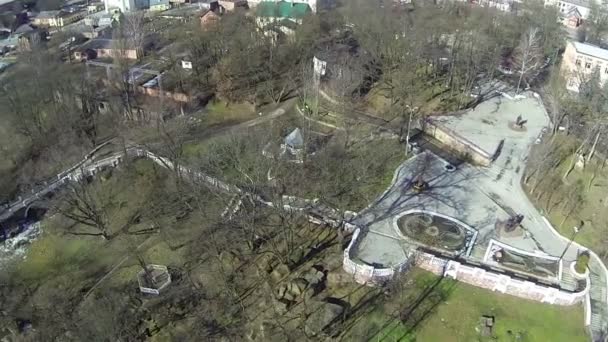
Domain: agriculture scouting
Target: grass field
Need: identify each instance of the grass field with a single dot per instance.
(452, 311)
(219, 113)
(456, 319)
(429, 100)
(592, 183)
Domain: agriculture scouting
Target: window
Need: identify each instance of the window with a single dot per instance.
(606, 71)
(588, 65)
(578, 62)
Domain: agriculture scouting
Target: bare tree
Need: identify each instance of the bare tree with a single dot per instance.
(128, 38)
(556, 94)
(171, 146)
(574, 200)
(83, 205)
(597, 23)
(543, 160)
(528, 54)
(133, 29)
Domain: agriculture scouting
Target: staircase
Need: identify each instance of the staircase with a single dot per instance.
(568, 281)
(599, 306)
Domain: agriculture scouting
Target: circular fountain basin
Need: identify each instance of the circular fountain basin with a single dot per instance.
(432, 229)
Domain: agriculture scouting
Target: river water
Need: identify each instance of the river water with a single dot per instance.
(15, 248)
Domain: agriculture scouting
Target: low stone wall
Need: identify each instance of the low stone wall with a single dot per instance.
(466, 148)
(155, 92)
(367, 274)
(498, 282)
(495, 245)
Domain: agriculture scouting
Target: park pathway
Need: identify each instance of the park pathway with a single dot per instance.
(596, 302)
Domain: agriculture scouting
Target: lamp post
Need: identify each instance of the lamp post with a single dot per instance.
(576, 231)
(409, 124)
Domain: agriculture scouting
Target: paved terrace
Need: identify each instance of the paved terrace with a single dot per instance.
(477, 196)
(474, 195)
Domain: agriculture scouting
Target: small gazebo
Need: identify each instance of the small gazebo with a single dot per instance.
(153, 279)
(294, 145)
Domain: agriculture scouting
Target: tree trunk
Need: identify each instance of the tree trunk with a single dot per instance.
(574, 157)
(407, 134)
(567, 216)
(592, 151)
(521, 76)
(599, 166)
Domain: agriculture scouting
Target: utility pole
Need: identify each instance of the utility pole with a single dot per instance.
(576, 231)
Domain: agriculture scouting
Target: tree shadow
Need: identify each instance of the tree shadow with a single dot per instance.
(420, 308)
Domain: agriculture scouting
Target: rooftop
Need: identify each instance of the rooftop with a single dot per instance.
(48, 14)
(24, 28)
(97, 43)
(295, 139)
(581, 3)
(591, 50)
(158, 2)
(283, 9)
(185, 10)
(573, 11)
(209, 13)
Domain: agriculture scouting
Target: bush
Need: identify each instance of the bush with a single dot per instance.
(581, 262)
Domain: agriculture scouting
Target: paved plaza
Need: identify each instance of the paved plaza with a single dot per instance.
(477, 196)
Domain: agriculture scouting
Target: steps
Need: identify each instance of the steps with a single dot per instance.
(568, 282)
(599, 305)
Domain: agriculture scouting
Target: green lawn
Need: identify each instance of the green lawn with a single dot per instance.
(452, 310)
(429, 98)
(122, 192)
(218, 113)
(69, 265)
(456, 319)
(593, 181)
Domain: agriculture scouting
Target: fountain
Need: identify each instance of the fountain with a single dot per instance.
(420, 185)
(434, 231)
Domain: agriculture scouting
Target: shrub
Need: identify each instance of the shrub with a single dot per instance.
(581, 262)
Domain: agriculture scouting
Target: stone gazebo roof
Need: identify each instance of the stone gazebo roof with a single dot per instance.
(295, 140)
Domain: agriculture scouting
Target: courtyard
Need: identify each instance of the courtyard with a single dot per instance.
(468, 195)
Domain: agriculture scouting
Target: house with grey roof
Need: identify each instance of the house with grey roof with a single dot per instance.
(580, 61)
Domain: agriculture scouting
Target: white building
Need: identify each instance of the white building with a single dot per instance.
(122, 5)
(501, 5)
(567, 6)
(580, 61)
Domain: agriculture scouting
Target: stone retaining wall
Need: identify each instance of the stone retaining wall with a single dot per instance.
(498, 282)
(466, 148)
(369, 275)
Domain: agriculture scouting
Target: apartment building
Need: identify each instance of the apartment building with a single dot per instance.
(580, 61)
